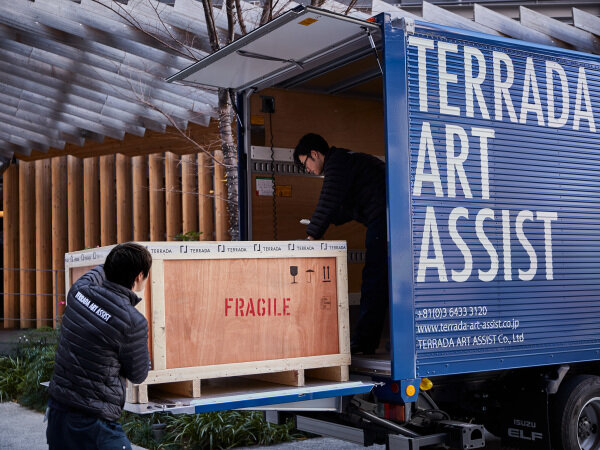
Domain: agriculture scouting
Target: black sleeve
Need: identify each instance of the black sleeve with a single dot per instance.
(94, 276)
(333, 192)
(134, 356)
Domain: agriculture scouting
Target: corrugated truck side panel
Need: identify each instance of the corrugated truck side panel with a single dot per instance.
(504, 165)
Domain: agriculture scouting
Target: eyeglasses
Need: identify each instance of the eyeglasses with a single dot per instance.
(302, 165)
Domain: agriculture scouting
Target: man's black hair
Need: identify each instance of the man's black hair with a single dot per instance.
(125, 262)
(308, 142)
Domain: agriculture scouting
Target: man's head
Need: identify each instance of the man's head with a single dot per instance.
(128, 264)
(310, 153)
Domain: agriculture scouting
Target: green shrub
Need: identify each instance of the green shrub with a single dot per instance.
(216, 430)
(12, 374)
(189, 236)
(30, 364)
(139, 428)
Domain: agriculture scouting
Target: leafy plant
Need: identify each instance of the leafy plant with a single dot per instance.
(12, 373)
(139, 428)
(216, 430)
(189, 236)
(30, 364)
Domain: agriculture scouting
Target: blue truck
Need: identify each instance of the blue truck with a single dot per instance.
(493, 185)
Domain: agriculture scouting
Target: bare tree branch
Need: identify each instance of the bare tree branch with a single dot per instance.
(181, 48)
(240, 18)
(210, 25)
(350, 6)
(229, 7)
(267, 12)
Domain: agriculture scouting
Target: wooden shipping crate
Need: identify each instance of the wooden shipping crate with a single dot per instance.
(277, 311)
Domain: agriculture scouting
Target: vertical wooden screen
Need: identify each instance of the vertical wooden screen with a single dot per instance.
(124, 199)
(108, 198)
(156, 186)
(221, 219)
(10, 196)
(75, 203)
(173, 195)
(189, 193)
(43, 241)
(59, 233)
(205, 197)
(64, 204)
(27, 243)
(139, 186)
(91, 202)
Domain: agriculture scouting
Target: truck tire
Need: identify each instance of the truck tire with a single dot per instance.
(577, 414)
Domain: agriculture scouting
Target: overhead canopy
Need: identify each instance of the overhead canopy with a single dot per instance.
(285, 46)
(71, 71)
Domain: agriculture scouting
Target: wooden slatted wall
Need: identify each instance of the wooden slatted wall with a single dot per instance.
(66, 203)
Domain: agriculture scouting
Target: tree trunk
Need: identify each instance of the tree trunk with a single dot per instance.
(231, 162)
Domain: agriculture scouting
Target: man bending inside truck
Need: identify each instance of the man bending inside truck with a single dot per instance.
(353, 189)
(103, 341)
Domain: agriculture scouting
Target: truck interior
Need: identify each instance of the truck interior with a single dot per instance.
(342, 100)
(331, 85)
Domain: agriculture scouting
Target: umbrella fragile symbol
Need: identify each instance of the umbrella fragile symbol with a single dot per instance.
(309, 272)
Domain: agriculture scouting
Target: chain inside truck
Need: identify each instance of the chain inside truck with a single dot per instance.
(492, 158)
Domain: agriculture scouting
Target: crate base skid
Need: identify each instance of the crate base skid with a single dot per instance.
(165, 385)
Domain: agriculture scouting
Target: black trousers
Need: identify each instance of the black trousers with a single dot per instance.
(374, 298)
(74, 431)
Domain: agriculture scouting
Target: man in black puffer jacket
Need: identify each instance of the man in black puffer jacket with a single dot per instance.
(353, 189)
(103, 341)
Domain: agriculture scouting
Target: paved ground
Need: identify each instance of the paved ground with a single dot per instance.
(23, 429)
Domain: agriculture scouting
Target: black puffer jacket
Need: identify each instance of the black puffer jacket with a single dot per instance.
(353, 189)
(103, 340)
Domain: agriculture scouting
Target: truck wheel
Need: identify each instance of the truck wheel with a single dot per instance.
(577, 413)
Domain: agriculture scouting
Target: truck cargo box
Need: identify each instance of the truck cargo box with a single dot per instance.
(492, 156)
(494, 146)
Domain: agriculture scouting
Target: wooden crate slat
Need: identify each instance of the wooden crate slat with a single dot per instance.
(246, 368)
(159, 347)
(289, 377)
(336, 373)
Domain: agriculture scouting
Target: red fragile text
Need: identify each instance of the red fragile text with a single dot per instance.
(240, 307)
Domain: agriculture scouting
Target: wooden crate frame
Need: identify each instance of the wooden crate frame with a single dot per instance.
(186, 380)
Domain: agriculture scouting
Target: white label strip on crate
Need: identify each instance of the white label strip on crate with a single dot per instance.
(87, 257)
(240, 249)
(226, 248)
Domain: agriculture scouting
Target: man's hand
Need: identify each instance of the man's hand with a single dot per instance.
(310, 238)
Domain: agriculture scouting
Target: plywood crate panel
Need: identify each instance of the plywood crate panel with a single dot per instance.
(220, 309)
